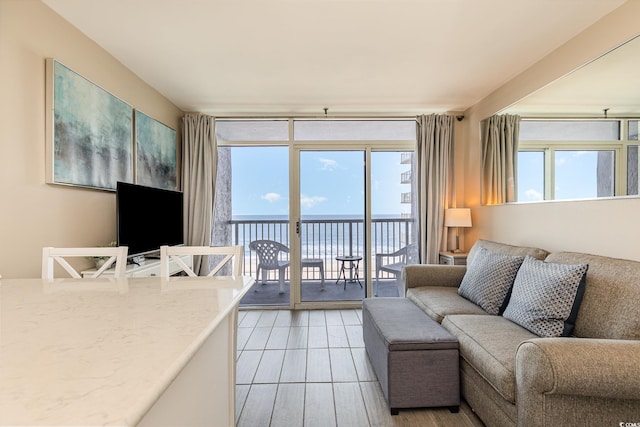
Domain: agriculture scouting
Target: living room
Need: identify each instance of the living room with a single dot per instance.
(35, 214)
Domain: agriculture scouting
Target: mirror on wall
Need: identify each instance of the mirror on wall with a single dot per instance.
(578, 136)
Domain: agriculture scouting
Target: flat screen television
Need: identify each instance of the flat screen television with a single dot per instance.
(148, 218)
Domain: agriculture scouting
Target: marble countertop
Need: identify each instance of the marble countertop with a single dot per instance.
(101, 351)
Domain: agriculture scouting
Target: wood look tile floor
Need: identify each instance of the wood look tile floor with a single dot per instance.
(310, 368)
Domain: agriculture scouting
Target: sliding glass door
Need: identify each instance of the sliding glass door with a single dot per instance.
(331, 198)
(332, 225)
(393, 219)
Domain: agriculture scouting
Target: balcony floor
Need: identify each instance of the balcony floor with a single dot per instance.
(268, 294)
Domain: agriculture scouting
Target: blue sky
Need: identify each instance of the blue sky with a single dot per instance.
(575, 170)
(331, 183)
(575, 175)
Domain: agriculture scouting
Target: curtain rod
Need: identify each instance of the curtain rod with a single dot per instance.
(315, 116)
(631, 117)
(329, 116)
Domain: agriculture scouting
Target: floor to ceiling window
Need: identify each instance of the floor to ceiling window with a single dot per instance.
(332, 197)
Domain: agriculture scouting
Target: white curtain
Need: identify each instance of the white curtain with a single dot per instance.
(500, 135)
(433, 153)
(199, 164)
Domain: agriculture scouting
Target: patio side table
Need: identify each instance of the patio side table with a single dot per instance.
(311, 263)
(353, 266)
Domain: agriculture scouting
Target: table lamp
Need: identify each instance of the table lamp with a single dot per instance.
(457, 217)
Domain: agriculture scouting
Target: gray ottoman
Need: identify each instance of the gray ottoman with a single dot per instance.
(415, 359)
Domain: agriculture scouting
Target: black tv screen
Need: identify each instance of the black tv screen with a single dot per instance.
(148, 218)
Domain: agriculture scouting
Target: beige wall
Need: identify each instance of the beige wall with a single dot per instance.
(605, 227)
(34, 214)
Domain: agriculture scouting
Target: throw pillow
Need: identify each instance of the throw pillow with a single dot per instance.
(546, 297)
(489, 278)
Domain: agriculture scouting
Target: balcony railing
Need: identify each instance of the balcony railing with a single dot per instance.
(324, 239)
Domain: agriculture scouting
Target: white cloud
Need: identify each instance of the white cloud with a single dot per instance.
(271, 197)
(309, 202)
(533, 194)
(328, 164)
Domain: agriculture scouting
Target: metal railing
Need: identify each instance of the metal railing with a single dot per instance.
(325, 239)
(406, 158)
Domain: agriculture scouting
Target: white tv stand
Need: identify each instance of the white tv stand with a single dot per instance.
(150, 268)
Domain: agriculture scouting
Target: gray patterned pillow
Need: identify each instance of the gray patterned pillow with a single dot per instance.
(489, 278)
(546, 297)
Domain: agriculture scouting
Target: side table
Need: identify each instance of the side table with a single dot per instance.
(353, 266)
(453, 258)
(311, 263)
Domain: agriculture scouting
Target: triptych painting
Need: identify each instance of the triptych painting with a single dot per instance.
(95, 139)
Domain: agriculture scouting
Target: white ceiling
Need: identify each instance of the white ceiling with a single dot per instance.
(352, 56)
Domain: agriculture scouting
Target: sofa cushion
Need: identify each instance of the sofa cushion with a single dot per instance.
(609, 307)
(489, 344)
(441, 301)
(546, 296)
(489, 278)
(502, 248)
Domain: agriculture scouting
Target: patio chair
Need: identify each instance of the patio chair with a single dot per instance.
(395, 262)
(269, 259)
(117, 256)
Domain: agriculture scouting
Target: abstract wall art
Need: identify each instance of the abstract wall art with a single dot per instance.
(155, 153)
(89, 132)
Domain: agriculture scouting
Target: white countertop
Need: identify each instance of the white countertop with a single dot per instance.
(101, 351)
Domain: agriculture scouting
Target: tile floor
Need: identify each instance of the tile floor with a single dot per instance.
(310, 368)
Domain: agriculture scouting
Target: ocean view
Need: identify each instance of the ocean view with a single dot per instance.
(325, 236)
(310, 217)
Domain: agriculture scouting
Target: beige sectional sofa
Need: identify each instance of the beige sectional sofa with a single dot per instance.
(511, 376)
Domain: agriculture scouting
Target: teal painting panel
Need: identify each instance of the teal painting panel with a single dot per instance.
(155, 153)
(92, 133)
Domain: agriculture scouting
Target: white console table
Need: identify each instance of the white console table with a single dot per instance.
(150, 268)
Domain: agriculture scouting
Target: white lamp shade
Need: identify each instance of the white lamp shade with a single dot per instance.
(457, 217)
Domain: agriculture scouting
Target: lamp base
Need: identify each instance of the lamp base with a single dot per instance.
(457, 249)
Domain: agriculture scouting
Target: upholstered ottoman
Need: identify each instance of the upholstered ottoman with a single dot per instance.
(415, 359)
